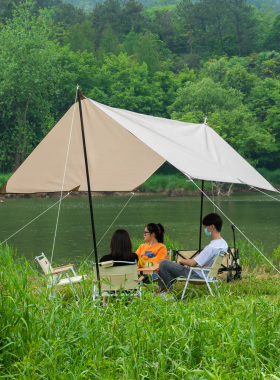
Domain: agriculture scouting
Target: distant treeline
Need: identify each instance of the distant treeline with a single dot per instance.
(218, 59)
(88, 5)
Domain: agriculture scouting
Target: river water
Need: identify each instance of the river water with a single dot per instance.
(255, 214)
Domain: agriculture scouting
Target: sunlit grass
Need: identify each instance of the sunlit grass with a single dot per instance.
(235, 336)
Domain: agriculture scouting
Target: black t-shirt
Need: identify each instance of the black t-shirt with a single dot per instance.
(132, 258)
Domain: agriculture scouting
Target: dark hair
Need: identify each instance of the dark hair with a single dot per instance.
(213, 219)
(121, 247)
(157, 229)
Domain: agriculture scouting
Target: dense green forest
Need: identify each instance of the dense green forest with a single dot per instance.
(218, 59)
(88, 5)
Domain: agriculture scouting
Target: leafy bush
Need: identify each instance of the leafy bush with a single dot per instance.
(272, 176)
(4, 178)
(179, 182)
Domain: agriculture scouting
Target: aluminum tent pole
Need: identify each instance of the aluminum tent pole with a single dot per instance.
(89, 189)
(201, 210)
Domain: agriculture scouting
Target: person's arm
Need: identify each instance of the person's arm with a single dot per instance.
(188, 262)
(139, 250)
(193, 262)
(136, 257)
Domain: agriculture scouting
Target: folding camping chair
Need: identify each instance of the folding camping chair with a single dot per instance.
(209, 274)
(55, 275)
(230, 263)
(184, 254)
(116, 280)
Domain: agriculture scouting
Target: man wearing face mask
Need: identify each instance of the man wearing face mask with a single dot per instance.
(169, 271)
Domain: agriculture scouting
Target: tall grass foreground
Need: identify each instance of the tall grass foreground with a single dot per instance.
(236, 336)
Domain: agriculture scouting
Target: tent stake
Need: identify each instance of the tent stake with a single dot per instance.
(201, 210)
(89, 190)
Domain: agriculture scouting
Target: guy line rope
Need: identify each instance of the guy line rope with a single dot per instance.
(67, 154)
(61, 198)
(132, 194)
(3, 242)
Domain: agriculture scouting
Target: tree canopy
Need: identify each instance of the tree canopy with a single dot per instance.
(187, 61)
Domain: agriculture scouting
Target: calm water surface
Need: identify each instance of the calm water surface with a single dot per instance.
(255, 214)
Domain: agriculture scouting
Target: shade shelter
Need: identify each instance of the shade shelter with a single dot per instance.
(124, 148)
(121, 150)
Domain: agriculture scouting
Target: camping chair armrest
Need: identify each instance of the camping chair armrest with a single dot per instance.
(59, 270)
(106, 264)
(64, 266)
(206, 269)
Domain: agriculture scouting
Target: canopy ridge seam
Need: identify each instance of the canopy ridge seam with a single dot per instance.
(3, 242)
(64, 174)
(132, 194)
(237, 228)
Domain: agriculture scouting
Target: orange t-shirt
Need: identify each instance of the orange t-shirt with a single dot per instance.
(154, 253)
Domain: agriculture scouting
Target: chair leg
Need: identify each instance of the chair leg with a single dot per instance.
(95, 293)
(185, 288)
(53, 290)
(50, 295)
(81, 285)
(192, 290)
(210, 290)
(104, 301)
(217, 290)
(74, 290)
(184, 291)
(208, 285)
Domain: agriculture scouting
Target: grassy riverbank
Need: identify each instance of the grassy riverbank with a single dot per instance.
(232, 337)
(178, 185)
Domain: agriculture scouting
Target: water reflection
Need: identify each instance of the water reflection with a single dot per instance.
(256, 215)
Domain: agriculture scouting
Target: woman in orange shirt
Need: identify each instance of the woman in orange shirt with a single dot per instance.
(153, 250)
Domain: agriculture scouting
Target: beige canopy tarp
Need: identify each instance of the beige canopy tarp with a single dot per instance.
(124, 148)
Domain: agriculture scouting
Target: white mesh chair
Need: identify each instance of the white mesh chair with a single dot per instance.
(56, 274)
(209, 274)
(116, 280)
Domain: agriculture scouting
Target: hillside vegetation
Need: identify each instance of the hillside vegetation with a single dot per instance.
(218, 59)
(88, 5)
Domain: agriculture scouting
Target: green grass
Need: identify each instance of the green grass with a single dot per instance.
(233, 337)
(171, 182)
(4, 178)
(179, 185)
